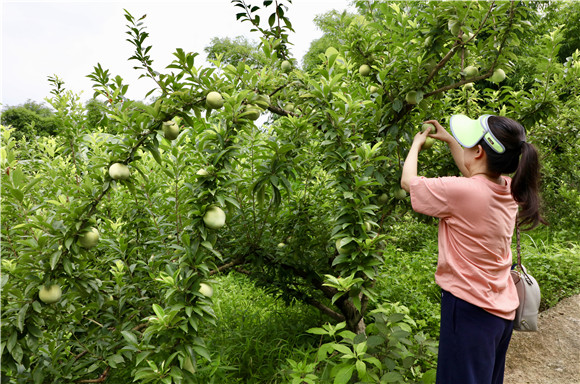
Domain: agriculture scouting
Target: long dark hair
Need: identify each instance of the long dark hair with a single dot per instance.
(520, 157)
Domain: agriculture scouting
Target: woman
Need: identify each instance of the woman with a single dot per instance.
(477, 216)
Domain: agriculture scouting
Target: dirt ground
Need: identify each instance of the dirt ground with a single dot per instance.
(551, 355)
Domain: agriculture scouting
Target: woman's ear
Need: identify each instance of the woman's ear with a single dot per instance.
(480, 152)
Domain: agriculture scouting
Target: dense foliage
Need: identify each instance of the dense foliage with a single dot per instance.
(306, 166)
(30, 119)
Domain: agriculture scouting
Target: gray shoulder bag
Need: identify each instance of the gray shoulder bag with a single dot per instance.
(528, 292)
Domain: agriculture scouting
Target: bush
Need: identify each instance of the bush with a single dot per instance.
(28, 123)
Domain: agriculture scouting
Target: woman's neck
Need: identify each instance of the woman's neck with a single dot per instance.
(493, 178)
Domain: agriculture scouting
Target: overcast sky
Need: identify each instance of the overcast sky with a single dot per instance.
(68, 38)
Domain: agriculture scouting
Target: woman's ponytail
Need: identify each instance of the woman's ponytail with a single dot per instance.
(525, 187)
(520, 157)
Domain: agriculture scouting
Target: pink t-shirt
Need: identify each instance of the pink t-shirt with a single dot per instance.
(477, 218)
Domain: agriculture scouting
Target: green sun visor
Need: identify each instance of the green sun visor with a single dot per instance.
(468, 132)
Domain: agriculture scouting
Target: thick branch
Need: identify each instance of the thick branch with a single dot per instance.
(280, 111)
(324, 309)
(442, 63)
(459, 83)
(488, 74)
(244, 271)
(139, 327)
(446, 58)
(238, 261)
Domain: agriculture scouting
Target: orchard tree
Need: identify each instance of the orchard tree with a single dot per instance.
(331, 24)
(29, 120)
(233, 51)
(111, 237)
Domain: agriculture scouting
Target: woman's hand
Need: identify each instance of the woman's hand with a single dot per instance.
(420, 138)
(440, 133)
(456, 149)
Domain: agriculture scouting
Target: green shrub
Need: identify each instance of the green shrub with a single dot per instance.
(555, 264)
(254, 332)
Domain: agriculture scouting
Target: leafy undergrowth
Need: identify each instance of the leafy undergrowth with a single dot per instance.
(553, 258)
(255, 334)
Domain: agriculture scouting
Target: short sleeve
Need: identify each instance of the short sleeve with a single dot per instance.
(429, 196)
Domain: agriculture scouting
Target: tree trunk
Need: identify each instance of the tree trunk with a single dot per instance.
(354, 318)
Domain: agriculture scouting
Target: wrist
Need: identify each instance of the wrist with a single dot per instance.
(416, 146)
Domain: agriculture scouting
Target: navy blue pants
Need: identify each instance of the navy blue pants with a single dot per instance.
(472, 344)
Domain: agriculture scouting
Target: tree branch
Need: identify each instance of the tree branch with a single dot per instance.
(238, 261)
(324, 309)
(101, 378)
(280, 111)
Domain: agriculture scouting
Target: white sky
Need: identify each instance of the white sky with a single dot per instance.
(69, 38)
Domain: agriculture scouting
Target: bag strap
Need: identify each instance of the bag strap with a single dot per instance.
(518, 249)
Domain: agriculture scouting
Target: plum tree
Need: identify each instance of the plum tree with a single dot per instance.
(322, 172)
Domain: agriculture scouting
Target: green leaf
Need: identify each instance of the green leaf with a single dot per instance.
(344, 374)
(429, 376)
(114, 360)
(361, 369)
(31, 184)
(373, 360)
(272, 19)
(17, 177)
(142, 356)
(17, 353)
(11, 341)
(34, 330)
(397, 105)
(202, 351)
(349, 335)
(342, 348)
(375, 340)
(17, 194)
(54, 258)
(356, 302)
(130, 337)
(396, 317)
(155, 153)
(144, 373)
(324, 351)
(158, 311)
(391, 377)
(317, 331)
(22, 317)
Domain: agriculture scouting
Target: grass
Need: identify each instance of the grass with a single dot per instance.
(255, 333)
(408, 278)
(555, 264)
